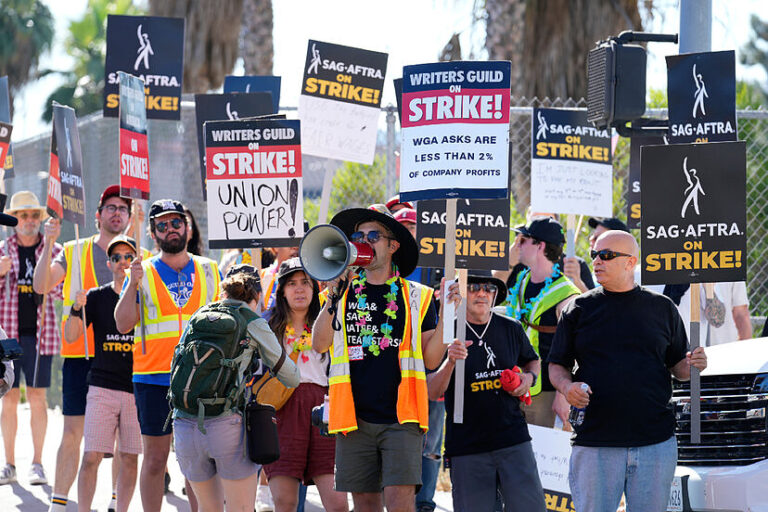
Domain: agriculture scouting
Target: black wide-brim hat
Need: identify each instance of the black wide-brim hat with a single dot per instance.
(480, 276)
(407, 255)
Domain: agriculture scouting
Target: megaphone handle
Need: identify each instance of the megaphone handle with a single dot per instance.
(332, 309)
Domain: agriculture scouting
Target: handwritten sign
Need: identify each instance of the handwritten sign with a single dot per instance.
(254, 182)
(552, 450)
(571, 169)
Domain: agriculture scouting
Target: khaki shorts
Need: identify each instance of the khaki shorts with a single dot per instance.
(376, 456)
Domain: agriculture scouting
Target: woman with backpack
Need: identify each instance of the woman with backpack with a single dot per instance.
(208, 375)
(305, 455)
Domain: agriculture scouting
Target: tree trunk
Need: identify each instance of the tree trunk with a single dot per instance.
(256, 45)
(210, 43)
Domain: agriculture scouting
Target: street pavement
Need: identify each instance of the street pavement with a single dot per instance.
(35, 498)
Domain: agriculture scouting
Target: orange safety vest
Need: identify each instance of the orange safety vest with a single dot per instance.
(412, 401)
(164, 321)
(83, 261)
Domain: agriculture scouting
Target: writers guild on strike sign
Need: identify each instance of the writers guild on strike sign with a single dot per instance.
(694, 213)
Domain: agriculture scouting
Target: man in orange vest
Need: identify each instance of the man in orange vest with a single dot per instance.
(389, 332)
(84, 267)
(174, 285)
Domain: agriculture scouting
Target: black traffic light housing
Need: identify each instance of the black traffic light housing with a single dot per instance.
(616, 83)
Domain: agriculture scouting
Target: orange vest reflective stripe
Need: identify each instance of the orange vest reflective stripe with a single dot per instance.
(84, 262)
(164, 321)
(412, 401)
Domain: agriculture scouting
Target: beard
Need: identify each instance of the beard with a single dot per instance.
(173, 246)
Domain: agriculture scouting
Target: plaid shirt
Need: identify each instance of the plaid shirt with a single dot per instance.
(50, 340)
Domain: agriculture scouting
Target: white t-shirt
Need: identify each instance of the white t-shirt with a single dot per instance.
(313, 370)
(731, 294)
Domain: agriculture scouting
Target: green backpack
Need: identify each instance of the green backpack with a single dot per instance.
(208, 371)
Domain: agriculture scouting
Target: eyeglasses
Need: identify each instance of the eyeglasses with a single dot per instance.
(115, 258)
(111, 209)
(162, 226)
(607, 254)
(486, 287)
(523, 239)
(372, 236)
(26, 215)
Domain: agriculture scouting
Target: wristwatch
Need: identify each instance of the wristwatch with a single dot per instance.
(535, 378)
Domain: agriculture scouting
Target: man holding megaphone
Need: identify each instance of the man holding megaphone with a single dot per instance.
(387, 334)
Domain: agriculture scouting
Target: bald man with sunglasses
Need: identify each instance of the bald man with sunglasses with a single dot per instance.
(625, 342)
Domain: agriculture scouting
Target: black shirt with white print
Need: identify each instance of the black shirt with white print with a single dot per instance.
(375, 378)
(28, 299)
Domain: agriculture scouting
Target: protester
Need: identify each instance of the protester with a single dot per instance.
(269, 275)
(79, 267)
(572, 266)
(194, 243)
(211, 452)
(725, 316)
(394, 204)
(33, 324)
(623, 341)
(110, 411)
(537, 298)
(306, 456)
(492, 446)
(175, 284)
(388, 334)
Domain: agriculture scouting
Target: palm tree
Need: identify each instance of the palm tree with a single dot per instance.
(26, 32)
(210, 40)
(548, 40)
(256, 46)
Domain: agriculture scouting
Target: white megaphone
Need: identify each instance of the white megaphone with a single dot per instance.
(325, 252)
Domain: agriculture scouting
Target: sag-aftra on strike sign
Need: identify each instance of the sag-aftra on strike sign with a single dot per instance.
(694, 226)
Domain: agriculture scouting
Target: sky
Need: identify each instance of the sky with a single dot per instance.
(410, 31)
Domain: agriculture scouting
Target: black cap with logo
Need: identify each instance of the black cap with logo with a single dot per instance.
(165, 207)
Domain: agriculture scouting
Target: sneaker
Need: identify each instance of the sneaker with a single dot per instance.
(8, 474)
(264, 501)
(37, 475)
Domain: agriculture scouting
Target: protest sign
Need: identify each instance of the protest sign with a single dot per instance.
(398, 84)
(482, 233)
(701, 90)
(455, 130)
(5, 139)
(552, 450)
(339, 102)
(53, 196)
(571, 169)
(152, 48)
(694, 213)
(70, 164)
(222, 107)
(633, 192)
(254, 183)
(5, 117)
(254, 83)
(134, 146)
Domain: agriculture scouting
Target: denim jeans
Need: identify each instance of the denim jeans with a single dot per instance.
(644, 474)
(430, 456)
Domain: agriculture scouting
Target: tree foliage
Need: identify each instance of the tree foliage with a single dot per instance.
(26, 32)
(755, 52)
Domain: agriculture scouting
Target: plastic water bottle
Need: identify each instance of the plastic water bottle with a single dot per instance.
(576, 417)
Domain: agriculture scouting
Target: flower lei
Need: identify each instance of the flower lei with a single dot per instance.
(302, 344)
(364, 315)
(526, 308)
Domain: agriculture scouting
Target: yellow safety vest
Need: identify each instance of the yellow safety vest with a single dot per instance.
(164, 321)
(412, 401)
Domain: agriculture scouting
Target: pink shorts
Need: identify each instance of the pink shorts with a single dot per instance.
(111, 414)
(304, 453)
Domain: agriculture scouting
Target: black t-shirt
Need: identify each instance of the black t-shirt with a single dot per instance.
(375, 378)
(547, 318)
(28, 299)
(585, 273)
(492, 417)
(112, 366)
(624, 345)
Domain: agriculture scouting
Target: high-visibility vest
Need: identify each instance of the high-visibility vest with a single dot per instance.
(164, 321)
(412, 401)
(83, 261)
(561, 289)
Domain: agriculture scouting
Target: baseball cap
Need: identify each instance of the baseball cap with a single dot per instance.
(608, 222)
(121, 239)
(112, 191)
(288, 267)
(243, 268)
(545, 229)
(165, 207)
(395, 200)
(406, 215)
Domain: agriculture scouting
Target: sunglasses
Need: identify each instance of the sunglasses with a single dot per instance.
(115, 258)
(162, 226)
(486, 287)
(372, 236)
(607, 254)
